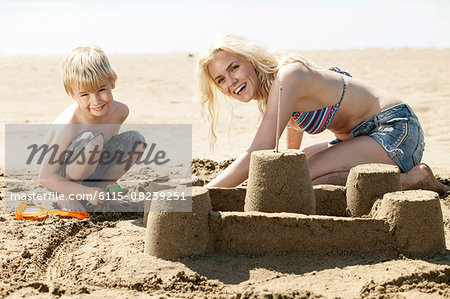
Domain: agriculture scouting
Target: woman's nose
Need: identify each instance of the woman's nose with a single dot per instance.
(232, 80)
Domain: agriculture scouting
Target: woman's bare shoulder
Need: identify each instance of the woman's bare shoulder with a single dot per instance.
(294, 71)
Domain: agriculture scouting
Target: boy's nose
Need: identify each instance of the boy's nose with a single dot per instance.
(97, 97)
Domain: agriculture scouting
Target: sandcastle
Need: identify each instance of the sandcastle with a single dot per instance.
(256, 222)
(171, 234)
(279, 182)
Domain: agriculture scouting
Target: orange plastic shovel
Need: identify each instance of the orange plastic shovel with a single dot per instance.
(39, 213)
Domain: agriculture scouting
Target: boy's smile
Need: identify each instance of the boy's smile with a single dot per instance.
(99, 108)
(94, 102)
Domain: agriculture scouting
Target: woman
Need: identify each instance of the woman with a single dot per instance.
(371, 125)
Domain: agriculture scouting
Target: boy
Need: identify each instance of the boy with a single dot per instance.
(90, 154)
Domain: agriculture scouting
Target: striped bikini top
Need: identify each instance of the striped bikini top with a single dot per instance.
(314, 122)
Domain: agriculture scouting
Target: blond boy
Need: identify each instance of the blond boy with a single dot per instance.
(91, 153)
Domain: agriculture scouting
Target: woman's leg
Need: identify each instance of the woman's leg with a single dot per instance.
(345, 155)
(315, 148)
(335, 178)
(331, 165)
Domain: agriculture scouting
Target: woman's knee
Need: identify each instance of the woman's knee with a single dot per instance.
(314, 149)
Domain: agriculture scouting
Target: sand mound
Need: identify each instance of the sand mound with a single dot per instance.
(204, 170)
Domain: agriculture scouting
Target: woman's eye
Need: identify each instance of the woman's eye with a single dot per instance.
(220, 81)
(235, 67)
(84, 95)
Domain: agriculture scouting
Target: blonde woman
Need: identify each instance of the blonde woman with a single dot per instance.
(370, 124)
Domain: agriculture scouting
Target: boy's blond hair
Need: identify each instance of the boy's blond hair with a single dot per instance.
(266, 64)
(85, 68)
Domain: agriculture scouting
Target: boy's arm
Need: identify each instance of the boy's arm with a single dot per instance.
(122, 111)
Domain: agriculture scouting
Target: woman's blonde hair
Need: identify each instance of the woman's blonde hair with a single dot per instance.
(266, 64)
(85, 68)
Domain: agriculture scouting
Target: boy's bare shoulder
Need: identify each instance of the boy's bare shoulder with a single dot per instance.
(68, 116)
(121, 110)
(61, 134)
(60, 129)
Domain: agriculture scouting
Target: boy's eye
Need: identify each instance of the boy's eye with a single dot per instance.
(84, 95)
(235, 67)
(101, 89)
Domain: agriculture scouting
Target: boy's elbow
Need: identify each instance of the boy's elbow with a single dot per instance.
(42, 180)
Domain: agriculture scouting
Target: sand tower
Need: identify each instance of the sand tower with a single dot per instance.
(416, 219)
(279, 182)
(173, 234)
(367, 182)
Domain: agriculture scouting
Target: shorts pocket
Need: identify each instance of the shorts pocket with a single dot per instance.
(394, 121)
(418, 153)
(402, 130)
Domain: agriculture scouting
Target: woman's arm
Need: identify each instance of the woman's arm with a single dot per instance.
(294, 137)
(290, 78)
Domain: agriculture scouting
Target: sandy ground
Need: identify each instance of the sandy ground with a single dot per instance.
(103, 256)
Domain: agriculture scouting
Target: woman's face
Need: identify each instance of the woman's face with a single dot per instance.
(236, 77)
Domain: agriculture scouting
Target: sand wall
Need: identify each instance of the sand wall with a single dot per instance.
(330, 200)
(283, 233)
(227, 199)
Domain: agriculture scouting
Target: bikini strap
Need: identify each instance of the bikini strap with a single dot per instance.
(339, 71)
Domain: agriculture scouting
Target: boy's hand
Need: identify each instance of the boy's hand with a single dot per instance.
(91, 197)
(97, 195)
(71, 205)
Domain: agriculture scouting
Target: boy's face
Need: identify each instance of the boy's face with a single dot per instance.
(94, 102)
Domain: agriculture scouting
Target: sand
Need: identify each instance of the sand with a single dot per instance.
(104, 256)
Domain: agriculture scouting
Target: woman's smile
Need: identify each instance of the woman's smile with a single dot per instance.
(240, 89)
(236, 77)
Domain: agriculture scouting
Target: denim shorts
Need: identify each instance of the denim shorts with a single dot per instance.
(398, 131)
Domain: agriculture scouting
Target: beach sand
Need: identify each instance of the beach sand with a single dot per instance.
(104, 256)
